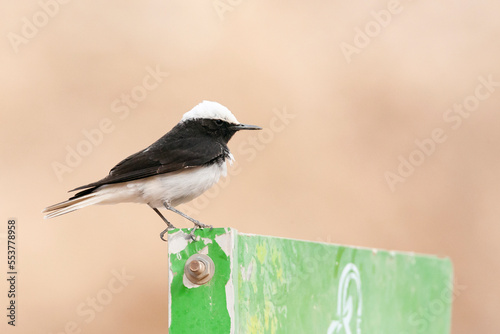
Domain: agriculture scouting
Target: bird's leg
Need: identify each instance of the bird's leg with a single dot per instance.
(169, 224)
(196, 223)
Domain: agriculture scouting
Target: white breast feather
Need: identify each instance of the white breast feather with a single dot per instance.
(174, 188)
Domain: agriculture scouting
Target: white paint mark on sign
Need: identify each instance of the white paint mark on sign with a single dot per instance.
(345, 302)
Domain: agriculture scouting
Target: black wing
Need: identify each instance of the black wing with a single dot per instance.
(168, 154)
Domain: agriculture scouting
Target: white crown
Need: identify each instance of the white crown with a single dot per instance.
(212, 110)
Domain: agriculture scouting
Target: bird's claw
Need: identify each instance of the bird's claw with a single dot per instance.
(191, 234)
(165, 231)
(201, 225)
(197, 226)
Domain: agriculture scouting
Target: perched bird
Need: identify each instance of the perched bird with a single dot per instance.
(175, 169)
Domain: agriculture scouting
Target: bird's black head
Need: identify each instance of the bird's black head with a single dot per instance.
(217, 128)
(214, 120)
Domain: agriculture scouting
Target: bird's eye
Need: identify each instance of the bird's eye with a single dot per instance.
(219, 122)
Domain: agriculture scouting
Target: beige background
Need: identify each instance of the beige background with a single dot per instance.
(319, 176)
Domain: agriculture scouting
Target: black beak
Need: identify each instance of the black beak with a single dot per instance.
(237, 127)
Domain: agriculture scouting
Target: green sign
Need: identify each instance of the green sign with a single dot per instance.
(273, 285)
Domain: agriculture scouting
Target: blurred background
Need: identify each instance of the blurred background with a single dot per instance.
(381, 130)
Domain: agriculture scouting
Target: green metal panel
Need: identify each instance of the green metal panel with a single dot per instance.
(204, 308)
(274, 285)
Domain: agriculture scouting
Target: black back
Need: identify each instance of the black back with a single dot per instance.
(192, 143)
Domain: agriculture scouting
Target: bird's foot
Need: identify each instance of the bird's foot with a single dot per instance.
(165, 231)
(196, 226)
(169, 224)
(196, 223)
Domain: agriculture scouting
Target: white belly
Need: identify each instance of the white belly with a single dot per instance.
(174, 188)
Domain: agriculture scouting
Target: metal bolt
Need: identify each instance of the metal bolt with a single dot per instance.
(196, 266)
(199, 269)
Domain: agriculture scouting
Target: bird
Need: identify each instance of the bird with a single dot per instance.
(175, 169)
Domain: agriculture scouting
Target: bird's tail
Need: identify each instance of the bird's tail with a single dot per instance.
(72, 204)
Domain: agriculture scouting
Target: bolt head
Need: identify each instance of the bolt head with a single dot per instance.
(196, 266)
(199, 269)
